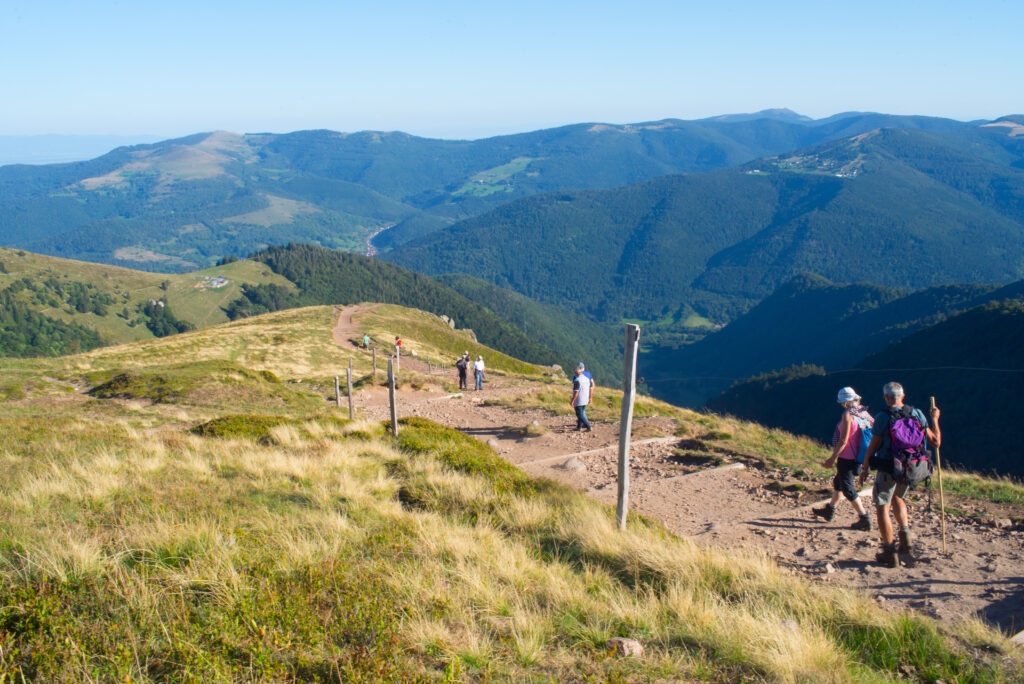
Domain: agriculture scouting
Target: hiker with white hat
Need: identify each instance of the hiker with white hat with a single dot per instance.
(849, 446)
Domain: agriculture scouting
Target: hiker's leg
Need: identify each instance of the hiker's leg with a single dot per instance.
(858, 506)
(583, 417)
(881, 496)
(884, 524)
(579, 417)
(899, 509)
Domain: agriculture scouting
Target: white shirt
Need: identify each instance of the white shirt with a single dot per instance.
(581, 383)
(478, 365)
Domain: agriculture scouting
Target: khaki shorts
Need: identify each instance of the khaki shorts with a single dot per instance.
(885, 488)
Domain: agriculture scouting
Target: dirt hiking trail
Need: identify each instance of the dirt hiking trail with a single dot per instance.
(734, 506)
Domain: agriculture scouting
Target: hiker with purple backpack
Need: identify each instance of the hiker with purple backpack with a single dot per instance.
(898, 451)
(850, 440)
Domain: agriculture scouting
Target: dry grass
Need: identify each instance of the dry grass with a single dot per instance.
(319, 549)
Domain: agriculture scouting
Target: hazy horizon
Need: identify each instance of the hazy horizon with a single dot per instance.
(467, 71)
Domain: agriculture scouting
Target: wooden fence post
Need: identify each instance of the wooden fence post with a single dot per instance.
(391, 398)
(337, 390)
(626, 422)
(351, 408)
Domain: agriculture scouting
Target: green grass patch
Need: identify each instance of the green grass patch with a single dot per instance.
(1004, 490)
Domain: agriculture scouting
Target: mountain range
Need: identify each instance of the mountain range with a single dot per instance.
(898, 207)
(180, 204)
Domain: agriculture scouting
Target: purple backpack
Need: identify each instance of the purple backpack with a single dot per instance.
(910, 460)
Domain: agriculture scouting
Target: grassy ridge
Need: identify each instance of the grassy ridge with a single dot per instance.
(185, 293)
(186, 539)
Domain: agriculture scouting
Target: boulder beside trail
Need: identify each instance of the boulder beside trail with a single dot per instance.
(575, 465)
(625, 647)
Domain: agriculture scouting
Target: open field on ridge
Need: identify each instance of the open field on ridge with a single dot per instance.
(278, 542)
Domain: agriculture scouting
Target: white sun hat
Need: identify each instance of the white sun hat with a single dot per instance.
(847, 394)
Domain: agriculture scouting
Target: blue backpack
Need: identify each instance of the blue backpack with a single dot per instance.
(865, 437)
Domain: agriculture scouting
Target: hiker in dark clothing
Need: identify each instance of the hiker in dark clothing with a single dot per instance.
(462, 365)
(888, 490)
(848, 451)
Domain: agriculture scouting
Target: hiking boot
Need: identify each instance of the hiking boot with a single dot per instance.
(887, 556)
(863, 523)
(905, 541)
(828, 511)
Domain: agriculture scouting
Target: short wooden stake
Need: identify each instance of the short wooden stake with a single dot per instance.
(626, 422)
(391, 398)
(351, 408)
(337, 390)
(942, 499)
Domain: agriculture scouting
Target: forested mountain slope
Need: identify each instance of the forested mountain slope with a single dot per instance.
(973, 363)
(905, 209)
(807, 320)
(181, 204)
(325, 276)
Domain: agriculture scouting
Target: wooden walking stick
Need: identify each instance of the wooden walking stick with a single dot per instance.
(942, 500)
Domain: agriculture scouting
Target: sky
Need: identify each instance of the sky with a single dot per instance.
(457, 69)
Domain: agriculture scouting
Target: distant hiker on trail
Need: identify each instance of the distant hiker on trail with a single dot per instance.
(462, 365)
(582, 393)
(366, 341)
(898, 451)
(478, 371)
(849, 446)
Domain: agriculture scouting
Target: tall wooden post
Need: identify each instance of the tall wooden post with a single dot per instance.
(337, 390)
(391, 398)
(351, 408)
(626, 422)
(398, 359)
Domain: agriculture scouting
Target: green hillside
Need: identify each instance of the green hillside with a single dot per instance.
(807, 320)
(905, 209)
(324, 276)
(191, 509)
(110, 301)
(972, 363)
(182, 204)
(574, 337)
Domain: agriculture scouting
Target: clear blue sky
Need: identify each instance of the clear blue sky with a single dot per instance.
(460, 69)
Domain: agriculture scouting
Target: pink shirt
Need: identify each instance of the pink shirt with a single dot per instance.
(853, 444)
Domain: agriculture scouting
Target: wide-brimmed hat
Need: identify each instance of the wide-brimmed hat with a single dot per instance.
(847, 394)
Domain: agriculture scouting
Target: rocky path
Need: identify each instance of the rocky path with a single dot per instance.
(737, 507)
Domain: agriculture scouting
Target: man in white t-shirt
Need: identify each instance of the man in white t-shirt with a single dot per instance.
(582, 393)
(478, 371)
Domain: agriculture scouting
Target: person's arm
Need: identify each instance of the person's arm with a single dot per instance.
(845, 427)
(873, 446)
(933, 433)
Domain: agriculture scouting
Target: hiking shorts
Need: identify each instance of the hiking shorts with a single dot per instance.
(847, 470)
(887, 487)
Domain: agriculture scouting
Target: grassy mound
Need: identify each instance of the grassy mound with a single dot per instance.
(205, 383)
(287, 550)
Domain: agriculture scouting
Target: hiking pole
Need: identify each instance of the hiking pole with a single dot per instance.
(942, 500)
